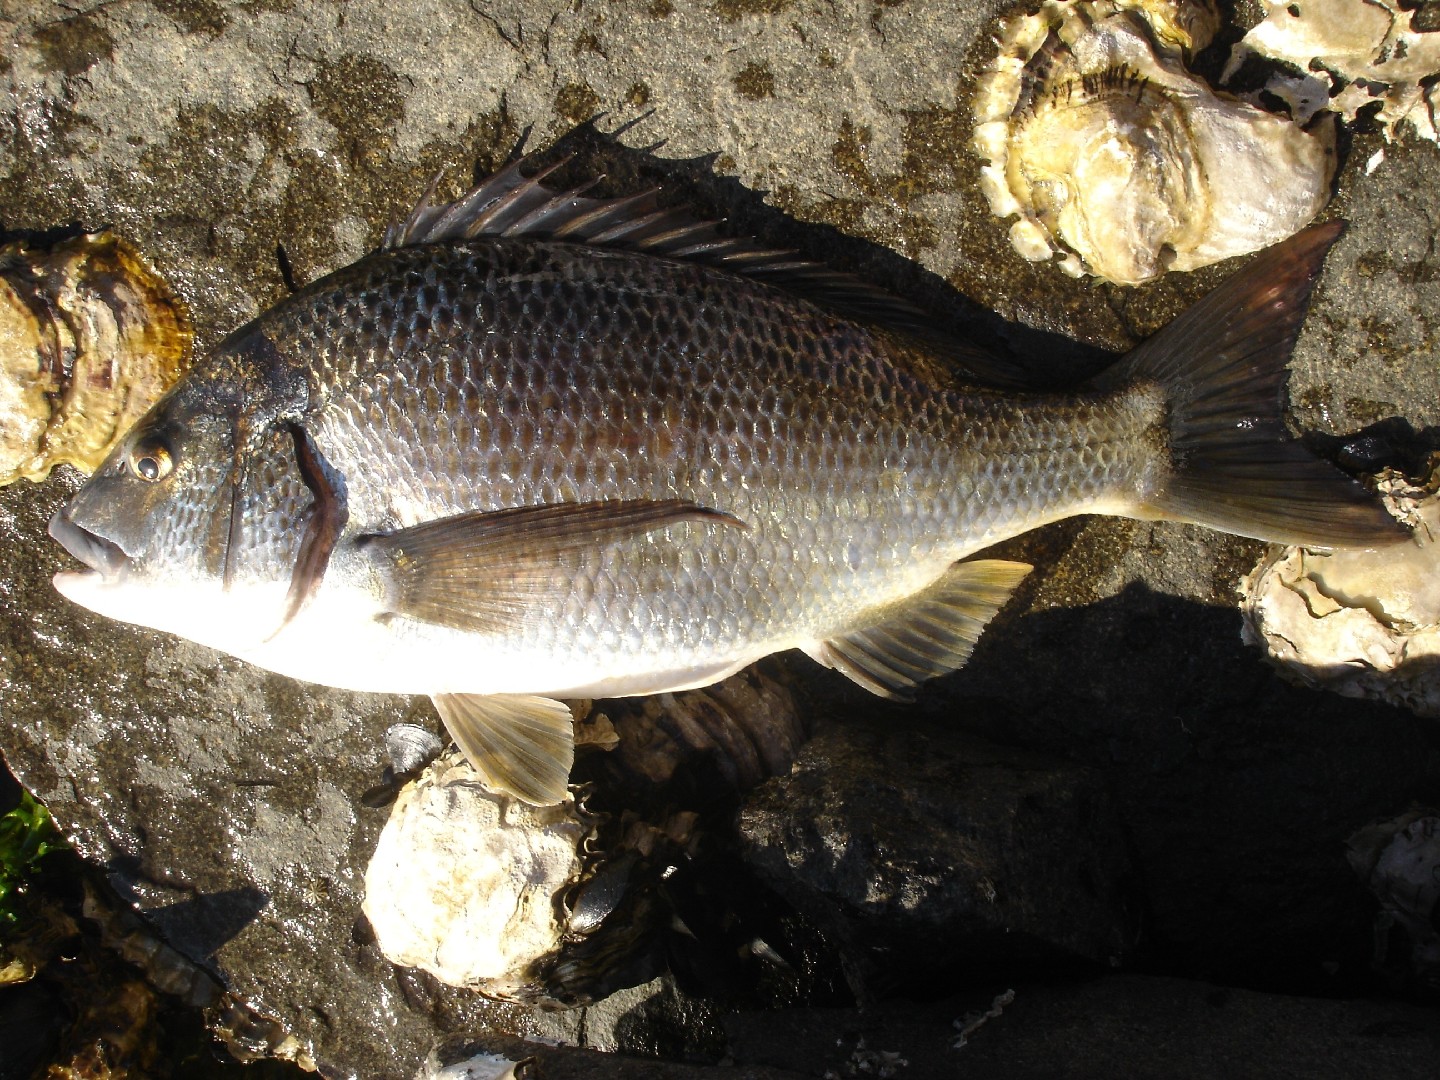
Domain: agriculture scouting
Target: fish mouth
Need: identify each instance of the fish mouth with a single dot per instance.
(102, 556)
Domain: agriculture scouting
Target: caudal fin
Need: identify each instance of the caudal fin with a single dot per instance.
(1222, 366)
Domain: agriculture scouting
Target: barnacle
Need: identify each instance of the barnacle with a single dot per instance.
(90, 337)
(1116, 161)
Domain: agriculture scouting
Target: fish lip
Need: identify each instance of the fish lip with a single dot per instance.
(100, 555)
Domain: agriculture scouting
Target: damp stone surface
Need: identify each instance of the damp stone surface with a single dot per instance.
(224, 804)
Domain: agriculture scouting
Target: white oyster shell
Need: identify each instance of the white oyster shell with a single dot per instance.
(1350, 54)
(1363, 623)
(1118, 162)
(463, 883)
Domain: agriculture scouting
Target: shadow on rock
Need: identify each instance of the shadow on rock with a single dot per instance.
(1036, 355)
(198, 927)
(1236, 789)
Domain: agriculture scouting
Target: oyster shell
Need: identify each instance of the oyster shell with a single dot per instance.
(463, 882)
(477, 1066)
(1116, 161)
(1399, 860)
(569, 903)
(1362, 623)
(1350, 55)
(90, 337)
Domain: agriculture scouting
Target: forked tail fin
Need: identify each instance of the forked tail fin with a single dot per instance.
(1222, 367)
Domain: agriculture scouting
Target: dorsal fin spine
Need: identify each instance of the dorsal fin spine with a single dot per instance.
(513, 205)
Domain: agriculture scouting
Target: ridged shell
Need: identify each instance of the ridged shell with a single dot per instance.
(1116, 161)
(465, 883)
(90, 337)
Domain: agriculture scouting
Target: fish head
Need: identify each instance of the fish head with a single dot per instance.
(157, 525)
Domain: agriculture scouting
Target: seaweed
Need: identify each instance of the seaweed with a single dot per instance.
(27, 835)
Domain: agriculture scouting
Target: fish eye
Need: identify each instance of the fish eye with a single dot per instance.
(151, 461)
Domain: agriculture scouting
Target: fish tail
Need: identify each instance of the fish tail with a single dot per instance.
(1222, 368)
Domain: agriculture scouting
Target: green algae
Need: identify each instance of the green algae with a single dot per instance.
(755, 81)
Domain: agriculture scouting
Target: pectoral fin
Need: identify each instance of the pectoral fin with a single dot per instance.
(327, 518)
(928, 634)
(485, 570)
(520, 744)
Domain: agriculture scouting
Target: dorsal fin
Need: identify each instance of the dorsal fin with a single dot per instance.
(513, 204)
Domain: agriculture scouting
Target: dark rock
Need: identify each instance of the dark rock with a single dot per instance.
(1237, 790)
(1128, 1026)
(31, 1019)
(944, 857)
(1137, 1027)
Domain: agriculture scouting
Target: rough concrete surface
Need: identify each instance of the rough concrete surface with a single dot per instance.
(223, 801)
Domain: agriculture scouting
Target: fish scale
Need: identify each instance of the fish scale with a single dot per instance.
(504, 469)
(843, 456)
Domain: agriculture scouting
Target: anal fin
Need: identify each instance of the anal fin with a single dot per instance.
(521, 745)
(925, 635)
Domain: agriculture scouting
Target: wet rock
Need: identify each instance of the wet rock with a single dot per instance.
(945, 858)
(224, 803)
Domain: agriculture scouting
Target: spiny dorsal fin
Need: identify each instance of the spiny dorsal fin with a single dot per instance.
(521, 745)
(484, 571)
(513, 204)
(928, 634)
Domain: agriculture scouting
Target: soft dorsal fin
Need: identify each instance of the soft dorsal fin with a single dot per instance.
(513, 204)
(928, 634)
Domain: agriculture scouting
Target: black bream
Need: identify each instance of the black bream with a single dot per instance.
(542, 446)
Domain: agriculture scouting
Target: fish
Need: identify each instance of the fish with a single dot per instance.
(541, 446)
